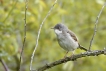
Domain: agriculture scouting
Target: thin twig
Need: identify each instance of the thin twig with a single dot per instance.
(39, 34)
(95, 28)
(26, 5)
(10, 11)
(4, 65)
(72, 58)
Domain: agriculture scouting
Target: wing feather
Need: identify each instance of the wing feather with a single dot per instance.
(72, 35)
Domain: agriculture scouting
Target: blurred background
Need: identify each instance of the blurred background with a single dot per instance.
(78, 15)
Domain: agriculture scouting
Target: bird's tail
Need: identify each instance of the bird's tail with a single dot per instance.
(82, 48)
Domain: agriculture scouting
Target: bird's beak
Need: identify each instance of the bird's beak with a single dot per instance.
(52, 28)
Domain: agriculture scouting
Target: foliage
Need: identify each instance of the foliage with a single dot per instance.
(78, 15)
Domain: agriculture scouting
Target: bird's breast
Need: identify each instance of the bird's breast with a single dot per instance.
(67, 42)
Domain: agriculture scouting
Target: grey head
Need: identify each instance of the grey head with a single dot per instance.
(60, 27)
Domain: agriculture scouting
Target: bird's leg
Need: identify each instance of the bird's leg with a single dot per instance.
(66, 54)
(72, 53)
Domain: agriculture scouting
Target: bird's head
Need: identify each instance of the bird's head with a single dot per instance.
(59, 28)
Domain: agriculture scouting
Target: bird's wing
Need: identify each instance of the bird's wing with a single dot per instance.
(72, 35)
(76, 39)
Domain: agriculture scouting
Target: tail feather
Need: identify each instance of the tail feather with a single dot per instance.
(82, 48)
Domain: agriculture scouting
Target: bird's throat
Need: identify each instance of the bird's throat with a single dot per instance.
(57, 31)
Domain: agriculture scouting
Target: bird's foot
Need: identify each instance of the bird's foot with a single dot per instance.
(72, 55)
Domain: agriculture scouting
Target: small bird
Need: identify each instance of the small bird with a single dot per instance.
(66, 38)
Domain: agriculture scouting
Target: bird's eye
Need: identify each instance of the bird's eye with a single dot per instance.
(59, 28)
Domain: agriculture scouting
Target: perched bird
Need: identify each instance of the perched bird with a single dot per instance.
(66, 38)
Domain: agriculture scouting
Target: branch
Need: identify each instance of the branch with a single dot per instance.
(96, 22)
(24, 34)
(39, 34)
(4, 65)
(72, 58)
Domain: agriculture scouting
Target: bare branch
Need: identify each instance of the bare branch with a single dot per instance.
(26, 5)
(95, 28)
(39, 34)
(4, 65)
(72, 58)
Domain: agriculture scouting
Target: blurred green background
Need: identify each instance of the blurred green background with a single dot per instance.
(78, 15)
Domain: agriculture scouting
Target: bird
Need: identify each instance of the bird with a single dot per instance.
(66, 38)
